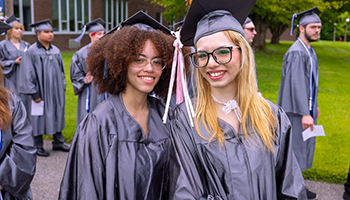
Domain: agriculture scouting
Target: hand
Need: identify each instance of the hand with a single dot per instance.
(18, 60)
(88, 78)
(318, 113)
(307, 121)
(1, 187)
(37, 100)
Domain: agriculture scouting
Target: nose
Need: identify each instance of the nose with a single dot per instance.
(211, 62)
(254, 32)
(148, 67)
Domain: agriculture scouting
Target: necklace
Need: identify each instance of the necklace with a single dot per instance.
(230, 105)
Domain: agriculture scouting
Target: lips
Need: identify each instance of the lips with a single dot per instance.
(149, 79)
(215, 75)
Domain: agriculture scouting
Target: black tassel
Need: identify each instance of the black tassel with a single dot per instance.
(105, 69)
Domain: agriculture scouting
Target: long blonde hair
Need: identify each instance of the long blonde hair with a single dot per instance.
(255, 111)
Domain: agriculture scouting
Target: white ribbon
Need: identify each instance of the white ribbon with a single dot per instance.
(178, 61)
(229, 106)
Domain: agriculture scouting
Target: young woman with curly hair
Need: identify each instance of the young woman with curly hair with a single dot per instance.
(121, 149)
(240, 144)
(17, 151)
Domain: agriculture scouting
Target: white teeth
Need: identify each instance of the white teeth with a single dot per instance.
(217, 73)
(147, 78)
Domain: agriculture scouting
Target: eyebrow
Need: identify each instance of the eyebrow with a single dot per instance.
(143, 55)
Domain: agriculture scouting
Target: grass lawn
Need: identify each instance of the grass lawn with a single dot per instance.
(332, 156)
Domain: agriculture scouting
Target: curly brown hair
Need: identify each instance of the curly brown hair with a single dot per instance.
(120, 49)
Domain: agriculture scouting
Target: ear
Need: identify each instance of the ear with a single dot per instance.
(90, 35)
(301, 29)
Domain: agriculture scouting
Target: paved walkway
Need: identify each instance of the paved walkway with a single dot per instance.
(49, 172)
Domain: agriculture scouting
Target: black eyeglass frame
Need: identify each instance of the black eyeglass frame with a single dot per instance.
(212, 54)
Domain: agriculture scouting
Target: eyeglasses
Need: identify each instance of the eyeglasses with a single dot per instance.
(156, 63)
(250, 29)
(221, 55)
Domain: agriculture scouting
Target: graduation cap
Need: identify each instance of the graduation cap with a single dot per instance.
(179, 25)
(306, 17)
(206, 17)
(91, 27)
(43, 25)
(11, 20)
(4, 27)
(247, 20)
(142, 21)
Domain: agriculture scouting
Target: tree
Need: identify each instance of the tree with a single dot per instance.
(174, 9)
(276, 15)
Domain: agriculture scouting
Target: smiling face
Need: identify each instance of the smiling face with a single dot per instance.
(219, 75)
(143, 79)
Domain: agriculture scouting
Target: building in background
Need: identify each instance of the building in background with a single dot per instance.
(67, 16)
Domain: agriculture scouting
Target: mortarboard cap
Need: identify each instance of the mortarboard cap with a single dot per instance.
(142, 21)
(179, 25)
(206, 17)
(95, 25)
(91, 27)
(306, 17)
(11, 20)
(247, 20)
(4, 27)
(43, 25)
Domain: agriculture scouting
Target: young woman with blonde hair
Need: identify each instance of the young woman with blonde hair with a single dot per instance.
(239, 146)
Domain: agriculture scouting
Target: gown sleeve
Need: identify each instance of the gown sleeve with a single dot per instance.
(7, 65)
(85, 169)
(187, 179)
(294, 88)
(289, 179)
(29, 84)
(77, 74)
(17, 165)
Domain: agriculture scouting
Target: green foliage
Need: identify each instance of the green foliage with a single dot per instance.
(281, 11)
(71, 101)
(332, 155)
(174, 9)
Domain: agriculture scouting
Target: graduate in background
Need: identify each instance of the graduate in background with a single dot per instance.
(237, 145)
(89, 96)
(42, 67)
(11, 51)
(299, 87)
(249, 30)
(121, 149)
(17, 151)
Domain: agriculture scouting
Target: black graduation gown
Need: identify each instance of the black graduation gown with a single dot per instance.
(110, 158)
(293, 97)
(77, 76)
(17, 155)
(239, 170)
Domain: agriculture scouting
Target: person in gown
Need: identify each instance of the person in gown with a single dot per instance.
(346, 195)
(237, 145)
(17, 151)
(121, 149)
(11, 51)
(298, 89)
(45, 82)
(88, 96)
